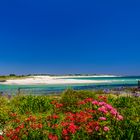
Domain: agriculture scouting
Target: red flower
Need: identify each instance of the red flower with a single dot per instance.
(9, 133)
(82, 116)
(64, 124)
(58, 105)
(66, 138)
(14, 137)
(71, 118)
(13, 114)
(17, 130)
(21, 126)
(55, 116)
(17, 120)
(1, 137)
(81, 103)
(34, 126)
(88, 100)
(72, 128)
(31, 118)
(90, 110)
(27, 113)
(102, 98)
(28, 119)
(89, 130)
(49, 124)
(53, 102)
(54, 126)
(40, 125)
(52, 137)
(64, 132)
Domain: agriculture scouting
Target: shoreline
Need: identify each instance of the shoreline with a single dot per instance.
(51, 80)
(86, 76)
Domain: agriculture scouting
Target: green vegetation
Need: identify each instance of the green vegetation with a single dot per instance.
(72, 115)
(3, 78)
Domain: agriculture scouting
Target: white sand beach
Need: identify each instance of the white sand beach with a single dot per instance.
(50, 80)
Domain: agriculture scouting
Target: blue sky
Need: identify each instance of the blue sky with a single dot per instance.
(60, 37)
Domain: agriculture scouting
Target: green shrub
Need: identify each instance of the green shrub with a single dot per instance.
(129, 107)
(48, 112)
(33, 104)
(4, 110)
(70, 97)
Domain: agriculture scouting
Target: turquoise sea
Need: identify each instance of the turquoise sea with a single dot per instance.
(107, 83)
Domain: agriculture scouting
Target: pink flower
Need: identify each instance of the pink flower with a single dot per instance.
(97, 128)
(102, 119)
(106, 128)
(109, 107)
(102, 103)
(102, 109)
(119, 117)
(95, 102)
(114, 112)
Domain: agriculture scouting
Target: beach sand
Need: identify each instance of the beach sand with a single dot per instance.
(50, 80)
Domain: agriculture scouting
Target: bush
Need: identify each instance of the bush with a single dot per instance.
(34, 104)
(93, 119)
(74, 115)
(4, 109)
(70, 97)
(129, 107)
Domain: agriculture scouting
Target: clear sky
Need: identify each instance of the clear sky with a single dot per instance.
(70, 36)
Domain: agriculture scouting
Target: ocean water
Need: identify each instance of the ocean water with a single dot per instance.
(106, 83)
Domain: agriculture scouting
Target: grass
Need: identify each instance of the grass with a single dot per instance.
(72, 115)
